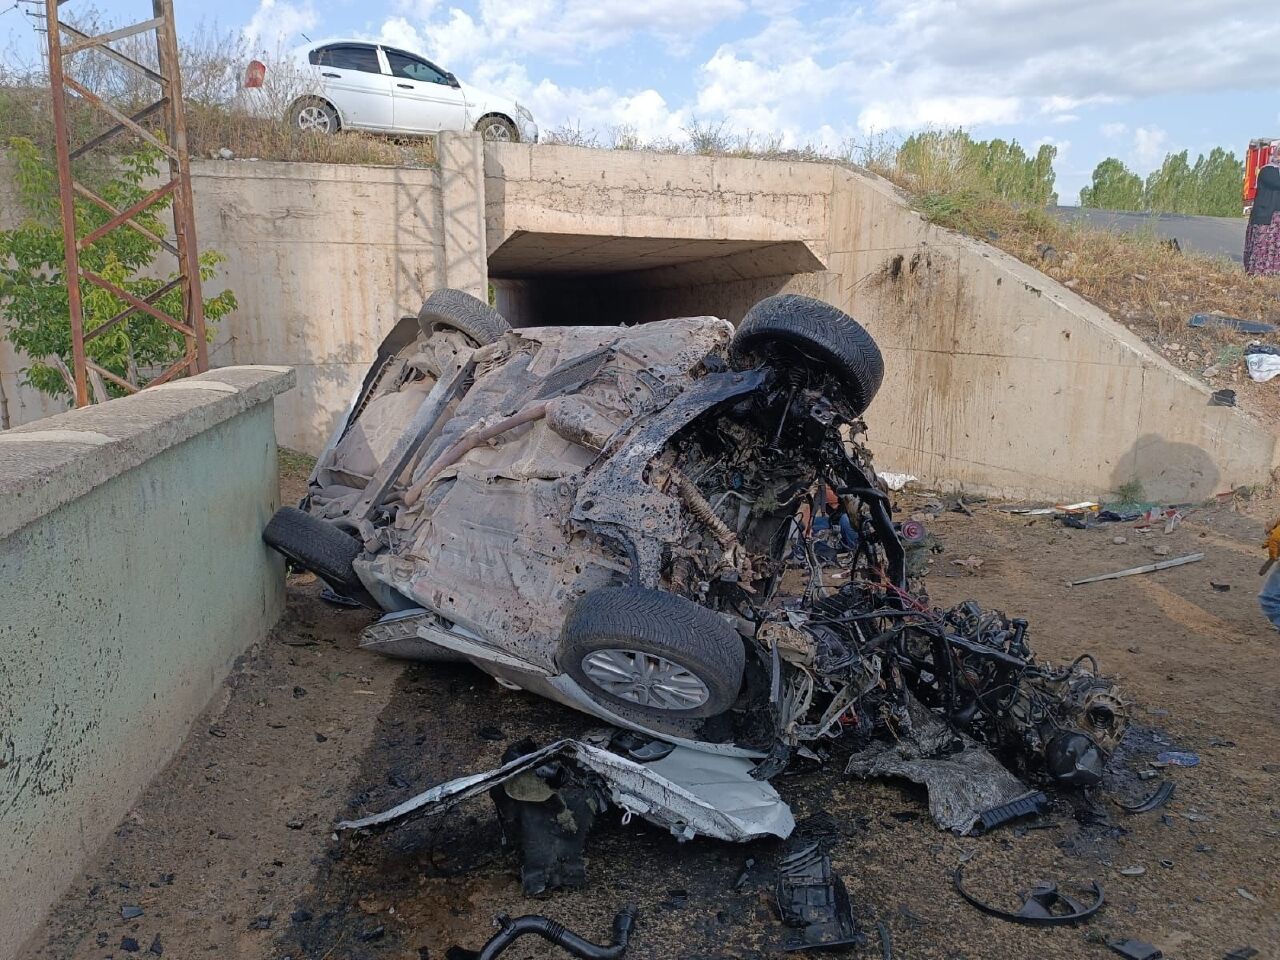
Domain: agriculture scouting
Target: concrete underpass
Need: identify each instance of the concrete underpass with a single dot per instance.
(544, 278)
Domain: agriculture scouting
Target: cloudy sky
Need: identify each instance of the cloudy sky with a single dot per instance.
(1127, 78)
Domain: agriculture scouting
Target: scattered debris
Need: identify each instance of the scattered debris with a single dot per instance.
(1263, 363)
(331, 596)
(130, 912)
(1246, 894)
(1042, 906)
(886, 940)
(1148, 568)
(1222, 398)
(1158, 799)
(547, 812)
(812, 898)
(1220, 587)
(1135, 949)
(1179, 758)
(511, 930)
(156, 948)
(688, 791)
(962, 784)
(1232, 323)
(129, 945)
(1029, 805)
(1135, 871)
(1241, 953)
(896, 481)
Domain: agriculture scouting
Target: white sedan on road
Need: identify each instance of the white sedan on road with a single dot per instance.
(358, 85)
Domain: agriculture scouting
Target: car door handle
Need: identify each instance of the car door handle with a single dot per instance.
(407, 86)
(335, 75)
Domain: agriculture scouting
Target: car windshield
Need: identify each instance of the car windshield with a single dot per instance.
(413, 68)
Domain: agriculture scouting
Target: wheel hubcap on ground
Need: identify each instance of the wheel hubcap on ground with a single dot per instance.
(496, 131)
(645, 679)
(313, 119)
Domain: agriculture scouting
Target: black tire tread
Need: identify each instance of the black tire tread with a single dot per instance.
(316, 545)
(817, 329)
(661, 623)
(463, 312)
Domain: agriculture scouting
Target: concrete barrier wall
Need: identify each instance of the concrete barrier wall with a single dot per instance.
(325, 258)
(132, 573)
(999, 380)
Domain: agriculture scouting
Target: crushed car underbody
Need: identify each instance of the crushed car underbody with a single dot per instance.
(646, 524)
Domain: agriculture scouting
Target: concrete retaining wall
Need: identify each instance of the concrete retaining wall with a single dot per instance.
(133, 573)
(325, 258)
(999, 380)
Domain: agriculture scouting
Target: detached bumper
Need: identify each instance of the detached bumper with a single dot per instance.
(688, 792)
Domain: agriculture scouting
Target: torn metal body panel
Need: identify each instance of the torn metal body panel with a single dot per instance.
(687, 792)
(963, 779)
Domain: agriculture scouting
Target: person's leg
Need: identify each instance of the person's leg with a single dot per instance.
(847, 533)
(1269, 598)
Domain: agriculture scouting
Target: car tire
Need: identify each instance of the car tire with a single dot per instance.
(790, 324)
(498, 129)
(463, 312)
(704, 655)
(312, 115)
(319, 546)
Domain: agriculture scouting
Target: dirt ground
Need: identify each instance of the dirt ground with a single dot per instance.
(230, 852)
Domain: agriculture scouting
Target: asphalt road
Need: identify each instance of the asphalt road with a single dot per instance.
(1214, 236)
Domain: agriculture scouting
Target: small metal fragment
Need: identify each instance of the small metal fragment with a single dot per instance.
(1158, 799)
(1038, 904)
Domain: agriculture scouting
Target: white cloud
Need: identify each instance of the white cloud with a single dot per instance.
(910, 113)
(1113, 130)
(566, 30)
(1150, 144)
(278, 25)
(399, 32)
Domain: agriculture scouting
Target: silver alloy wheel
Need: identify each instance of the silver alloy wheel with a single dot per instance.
(496, 130)
(314, 119)
(645, 679)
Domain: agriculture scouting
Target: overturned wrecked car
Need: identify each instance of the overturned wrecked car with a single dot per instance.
(635, 522)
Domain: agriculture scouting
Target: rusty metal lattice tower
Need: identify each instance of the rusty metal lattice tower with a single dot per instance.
(174, 147)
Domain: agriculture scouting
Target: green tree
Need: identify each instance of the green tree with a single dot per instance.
(1173, 187)
(1219, 177)
(948, 161)
(1114, 187)
(33, 290)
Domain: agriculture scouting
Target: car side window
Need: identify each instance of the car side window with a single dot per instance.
(413, 68)
(347, 57)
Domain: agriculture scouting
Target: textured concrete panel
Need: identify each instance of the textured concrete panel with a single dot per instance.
(124, 602)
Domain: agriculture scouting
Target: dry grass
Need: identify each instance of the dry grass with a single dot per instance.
(1138, 279)
(211, 129)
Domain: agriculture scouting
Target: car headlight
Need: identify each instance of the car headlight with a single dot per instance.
(524, 113)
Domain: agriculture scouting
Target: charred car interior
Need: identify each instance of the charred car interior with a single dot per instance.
(677, 529)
